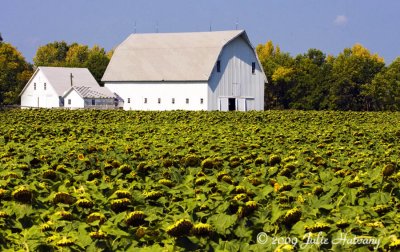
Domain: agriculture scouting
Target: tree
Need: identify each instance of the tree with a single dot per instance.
(61, 54)
(77, 55)
(97, 61)
(311, 81)
(278, 68)
(52, 54)
(14, 73)
(352, 71)
(384, 90)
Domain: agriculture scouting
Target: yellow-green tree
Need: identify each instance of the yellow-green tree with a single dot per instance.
(52, 54)
(61, 54)
(352, 71)
(14, 73)
(278, 68)
(77, 55)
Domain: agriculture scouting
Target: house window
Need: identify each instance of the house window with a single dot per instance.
(34, 86)
(253, 67)
(187, 100)
(129, 100)
(145, 100)
(173, 100)
(44, 86)
(93, 102)
(159, 100)
(218, 66)
(201, 100)
(69, 101)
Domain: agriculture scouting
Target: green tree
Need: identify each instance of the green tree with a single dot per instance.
(352, 71)
(384, 90)
(311, 81)
(14, 73)
(97, 61)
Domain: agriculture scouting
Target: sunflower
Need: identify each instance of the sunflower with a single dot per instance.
(81, 157)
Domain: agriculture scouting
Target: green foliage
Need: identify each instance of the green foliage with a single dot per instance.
(52, 54)
(278, 68)
(352, 70)
(14, 73)
(65, 183)
(383, 93)
(314, 81)
(61, 54)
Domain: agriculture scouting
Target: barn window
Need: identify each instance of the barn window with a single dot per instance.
(187, 100)
(159, 100)
(34, 86)
(69, 101)
(44, 86)
(253, 67)
(93, 102)
(129, 100)
(173, 100)
(201, 100)
(145, 100)
(218, 66)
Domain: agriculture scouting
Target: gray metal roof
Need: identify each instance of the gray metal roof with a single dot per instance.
(59, 78)
(92, 92)
(168, 56)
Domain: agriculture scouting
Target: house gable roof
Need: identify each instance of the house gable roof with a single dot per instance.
(60, 78)
(92, 92)
(168, 56)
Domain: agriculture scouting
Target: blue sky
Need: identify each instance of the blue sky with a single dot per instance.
(296, 25)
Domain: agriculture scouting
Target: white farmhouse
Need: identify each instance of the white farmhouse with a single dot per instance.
(187, 71)
(48, 85)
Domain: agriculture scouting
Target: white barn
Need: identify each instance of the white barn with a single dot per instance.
(187, 71)
(48, 85)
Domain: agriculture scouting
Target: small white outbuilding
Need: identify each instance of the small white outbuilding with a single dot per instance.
(187, 71)
(89, 97)
(48, 85)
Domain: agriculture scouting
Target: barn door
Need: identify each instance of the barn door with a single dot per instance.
(242, 105)
(223, 104)
(232, 104)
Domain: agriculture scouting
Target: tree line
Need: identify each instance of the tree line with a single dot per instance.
(356, 79)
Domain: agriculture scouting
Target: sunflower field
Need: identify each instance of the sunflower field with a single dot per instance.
(199, 181)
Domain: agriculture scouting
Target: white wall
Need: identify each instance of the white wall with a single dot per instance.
(137, 92)
(99, 102)
(76, 100)
(236, 78)
(39, 98)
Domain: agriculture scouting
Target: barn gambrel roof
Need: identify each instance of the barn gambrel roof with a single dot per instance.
(168, 56)
(60, 78)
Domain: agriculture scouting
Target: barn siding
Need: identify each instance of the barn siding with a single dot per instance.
(40, 98)
(180, 91)
(236, 78)
(76, 100)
